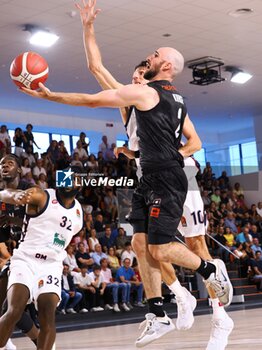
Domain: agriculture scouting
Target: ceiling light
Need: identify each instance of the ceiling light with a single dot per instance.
(40, 37)
(43, 38)
(240, 77)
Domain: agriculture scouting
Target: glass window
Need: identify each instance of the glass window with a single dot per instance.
(120, 143)
(11, 135)
(200, 156)
(42, 141)
(235, 162)
(249, 157)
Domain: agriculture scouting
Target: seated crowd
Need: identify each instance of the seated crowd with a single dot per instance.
(100, 270)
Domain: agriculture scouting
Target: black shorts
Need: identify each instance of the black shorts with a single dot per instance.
(157, 204)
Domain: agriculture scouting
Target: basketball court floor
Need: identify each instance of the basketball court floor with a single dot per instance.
(246, 335)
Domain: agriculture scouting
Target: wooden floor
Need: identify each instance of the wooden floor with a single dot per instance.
(247, 334)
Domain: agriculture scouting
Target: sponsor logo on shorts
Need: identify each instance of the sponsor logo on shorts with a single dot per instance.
(183, 221)
(155, 212)
(40, 283)
(157, 202)
(78, 213)
(40, 256)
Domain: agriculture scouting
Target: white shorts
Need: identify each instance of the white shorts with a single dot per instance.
(39, 277)
(193, 221)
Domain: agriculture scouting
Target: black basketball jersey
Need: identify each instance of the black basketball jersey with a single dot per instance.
(160, 129)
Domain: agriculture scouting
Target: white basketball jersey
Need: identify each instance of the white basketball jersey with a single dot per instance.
(47, 234)
(131, 130)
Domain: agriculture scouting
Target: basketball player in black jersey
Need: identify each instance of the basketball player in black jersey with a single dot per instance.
(11, 221)
(158, 204)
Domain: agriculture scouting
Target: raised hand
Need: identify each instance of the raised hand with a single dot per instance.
(87, 12)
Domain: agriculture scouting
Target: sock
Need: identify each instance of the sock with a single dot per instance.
(155, 306)
(218, 309)
(205, 269)
(177, 289)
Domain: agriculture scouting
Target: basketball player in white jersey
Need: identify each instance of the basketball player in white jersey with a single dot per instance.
(192, 225)
(53, 217)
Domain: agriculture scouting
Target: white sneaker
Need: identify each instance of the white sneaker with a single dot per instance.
(108, 307)
(83, 311)
(155, 327)
(71, 311)
(220, 283)
(185, 308)
(116, 308)
(10, 345)
(125, 307)
(220, 331)
(99, 308)
(140, 304)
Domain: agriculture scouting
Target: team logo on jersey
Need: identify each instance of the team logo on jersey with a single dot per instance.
(183, 221)
(40, 283)
(155, 212)
(59, 240)
(64, 178)
(157, 202)
(178, 98)
(78, 213)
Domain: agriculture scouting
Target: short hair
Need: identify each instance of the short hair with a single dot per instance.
(29, 125)
(127, 244)
(15, 158)
(141, 64)
(96, 267)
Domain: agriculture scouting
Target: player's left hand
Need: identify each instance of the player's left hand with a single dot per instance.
(88, 12)
(42, 92)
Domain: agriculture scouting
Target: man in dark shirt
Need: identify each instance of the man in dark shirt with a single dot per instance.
(83, 258)
(256, 265)
(108, 240)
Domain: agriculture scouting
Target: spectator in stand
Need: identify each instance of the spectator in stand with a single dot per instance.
(25, 167)
(224, 177)
(241, 200)
(112, 287)
(92, 240)
(121, 240)
(38, 169)
(104, 146)
(230, 238)
(63, 156)
(206, 199)
(99, 224)
(98, 283)
(82, 256)
(83, 157)
(223, 210)
(53, 152)
(259, 209)
(237, 190)
(69, 296)
(80, 237)
(82, 139)
(83, 281)
(92, 163)
(215, 197)
(5, 142)
(97, 255)
(90, 198)
(18, 139)
(256, 247)
(109, 155)
(113, 261)
(41, 182)
(230, 222)
(107, 240)
(110, 202)
(253, 214)
(256, 266)
(101, 161)
(218, 250)
(254, 232)
(28, 178)
(70, 259)
(126, 274)
(128, 253)
(224, 197)
(239, 213)
(76, 160)
(29, 155)
(28, 140)
(244, 236)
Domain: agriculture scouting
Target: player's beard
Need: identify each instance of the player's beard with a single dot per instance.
(152, 72)
(68, 194)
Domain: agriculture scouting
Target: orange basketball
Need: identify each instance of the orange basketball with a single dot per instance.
(28, 70)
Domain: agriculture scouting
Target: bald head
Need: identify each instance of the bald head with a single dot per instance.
(164, 63)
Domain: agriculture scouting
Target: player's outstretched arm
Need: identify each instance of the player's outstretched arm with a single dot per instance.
(193, 143)
(88, 15)
(33, 196)
(141, 96)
